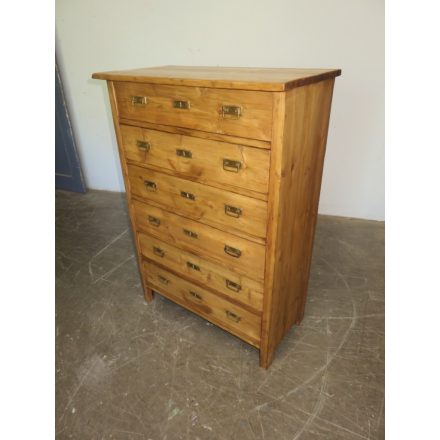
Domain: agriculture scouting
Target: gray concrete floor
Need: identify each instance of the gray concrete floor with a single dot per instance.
(130, 370)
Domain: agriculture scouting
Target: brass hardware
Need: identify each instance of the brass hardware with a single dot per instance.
(158, 251)
(230, 111)
(233, 286)
(231, 165)
(232, 211)
(232, 316)
(139, 101)
(196, 295)
(233, 252)
(150, 185)
(190, 233)
(153, 220)
(143, 145)
(184, 153)
(193, 266)
(163, 280)
(187, 195)
(184, 105)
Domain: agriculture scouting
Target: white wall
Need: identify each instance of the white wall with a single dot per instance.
(99, 35)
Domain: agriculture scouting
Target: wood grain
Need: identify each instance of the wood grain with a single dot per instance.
(190, 242)
(241, 289)
(209, 244)
(206, 161)
(204, 111)
(199, 134)
(296, 170)
(208, 205)
(229, 316)
(244, 78)
(148, 294)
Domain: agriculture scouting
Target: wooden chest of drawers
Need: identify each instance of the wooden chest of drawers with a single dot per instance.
(222, 168)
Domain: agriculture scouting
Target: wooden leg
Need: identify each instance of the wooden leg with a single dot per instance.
(300, 317)
(266, 358)
(148, 294)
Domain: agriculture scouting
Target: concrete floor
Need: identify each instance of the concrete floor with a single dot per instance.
(128, 370)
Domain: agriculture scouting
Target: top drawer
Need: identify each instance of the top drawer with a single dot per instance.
(235, 112)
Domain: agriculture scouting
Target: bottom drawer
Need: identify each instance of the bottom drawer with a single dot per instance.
(219, 311)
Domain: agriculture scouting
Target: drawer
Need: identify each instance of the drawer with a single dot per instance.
(233, 318)
(237, 287)
(236, 112)
(200, 202)
(202, 240)
(203, 160)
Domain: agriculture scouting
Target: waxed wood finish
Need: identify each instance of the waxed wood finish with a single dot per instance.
(236, 287)
(208, 205)
(198, 133)
(296, 178)
(198, 159)
(247, 273)
(204, 112)
(216, 309)
(148, 294)
(241, 78)
(201, 239)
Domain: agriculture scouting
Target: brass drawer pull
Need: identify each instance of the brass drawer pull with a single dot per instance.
(232, 211)
(235, 287)
(150, 185)
(193, 266)
(230, 111)
(143, 145)
(139, 101)
(233, 252)
(187, 195)
(163, 280)
(184, 153)
(158, 251)
(196, 295)
(190, 233)
(184, 105)
(153, 220)
(231, 165)
(232, 316)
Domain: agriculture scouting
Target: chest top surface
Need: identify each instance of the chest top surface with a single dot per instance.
(244, 78)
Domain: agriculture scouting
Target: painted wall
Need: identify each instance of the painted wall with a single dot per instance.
(99, 35)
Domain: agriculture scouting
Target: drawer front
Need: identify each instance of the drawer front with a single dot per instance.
(200, 202)
(236, 112)
(202, 240)
(219, 311)
(237, 287)
(202, 159)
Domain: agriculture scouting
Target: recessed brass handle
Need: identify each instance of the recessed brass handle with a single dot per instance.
(153, 220)
(163, 280)
(184, 105)
(231, 165)
(184, 153)
(158, 251)
(193, 266)
(230, 111)
(196, 295)
(233, 252)
(190, 233)
(187, 195)
(233, 286)
(232, 211)
(233, 316)
(139, 101)
(150, 185)
(143, 145)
